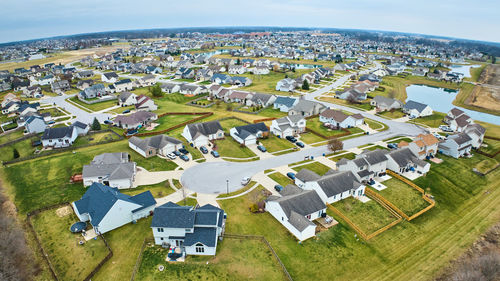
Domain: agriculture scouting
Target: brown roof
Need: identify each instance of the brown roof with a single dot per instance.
(402, 144)
(428, 139)
(336, 115)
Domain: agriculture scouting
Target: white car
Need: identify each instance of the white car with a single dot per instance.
(439, 137)
(245, 181)
(171, 156)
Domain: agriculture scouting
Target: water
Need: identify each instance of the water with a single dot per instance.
(464, 69)
(440, 99)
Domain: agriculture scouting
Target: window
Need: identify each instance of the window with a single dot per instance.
(308, 216)
(160, 229)
(161, 238)
(200, 248)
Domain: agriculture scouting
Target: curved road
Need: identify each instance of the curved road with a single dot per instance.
(215, 177)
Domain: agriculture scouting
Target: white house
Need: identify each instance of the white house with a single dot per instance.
(288, 126)
(127, 99)
(383, 104)
(286, 85)
(456, 145)
(123, 85)
(340, 119)
(296, 212)
(416, 109)
(107, 209)
(59, 137)
(284, 104)
(366, 166)
(110, 77)
(145, 103)
(201, 133)
(155, 145)
(248, 134)
(476, 133)
(112, 169)
(193, 230)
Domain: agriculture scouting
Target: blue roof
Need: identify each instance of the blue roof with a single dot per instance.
(205, 235)
(415, 105)
(99, 199)
(286, 101)
(173, 215)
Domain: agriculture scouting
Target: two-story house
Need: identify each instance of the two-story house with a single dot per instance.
(288, 126)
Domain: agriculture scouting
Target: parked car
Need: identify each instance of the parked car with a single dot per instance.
(171, 156)
(215, 153)
(438, 136)
(392, 145)
(51, 122)
(245, 181)
(184, 157)
(183, 151)
(203, 150)
(126, 111)
(177, 153)
(108, 122)
(300, 144)
(131, 132)
(445, 128)
(278, 188)
(291, 175)
(291, 138)
(261, 148)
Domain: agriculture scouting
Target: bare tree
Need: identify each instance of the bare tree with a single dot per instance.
(335, 145)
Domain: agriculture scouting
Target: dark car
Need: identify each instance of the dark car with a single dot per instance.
(131, 132)
(203, 150)
(392, 145)
(183, 151)
(300, 144)
(51, 122)
(214, 153)
(108, 122)
(126, 111)
(291, 175)
(177, 153)
(184, 157)
(278, 188)
(292, 139)
(261, 148)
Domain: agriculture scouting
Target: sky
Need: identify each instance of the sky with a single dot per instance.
(33, 19)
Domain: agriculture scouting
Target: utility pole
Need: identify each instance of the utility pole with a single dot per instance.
(227, 186)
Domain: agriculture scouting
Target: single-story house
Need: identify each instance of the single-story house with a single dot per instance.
(384, 104)
(155, 145)
(201, 133)
(306, 108)
(112, 169)
(248, 134)
(134, 120)
(340, 119)
(284, 104)
(417, 109)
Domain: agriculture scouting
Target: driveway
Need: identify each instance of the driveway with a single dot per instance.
(80, 114)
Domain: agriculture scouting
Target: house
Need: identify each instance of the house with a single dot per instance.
(236, 69)
(241, 81)
(107, 209)
(403, 160)
(456, 145)
(259, 99)
(476, 133)
(351, 94)
(111, 169)
(260, 70)
(457, 120)
(134, 120)
(306, 108)
(32, 92)
(284, 104)
(84, 84)
(385, 104)
(288, 126)
(220, 79)
(366, 166)
(35, 125)
(296, 211)
(195, 230)
(123, 85)
(84, 74)
(60, 86)
(201, 133)
(81, 128)
(184, 73)
(248, 134)
(416, 109)
(145, 103)
(156, 145)
(59, 137)
(190, 89)
(339, 119)
(127, 99)
(204, 74)
(331, 187)
(238, 96)
(286, 85)
(424, 146)
(94, 91)
(110, 77)
(170, 88)
(146, 81)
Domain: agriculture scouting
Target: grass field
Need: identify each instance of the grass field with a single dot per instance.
(273, 143)
(369, 216)
(228, 147)
(169, 121)
(486, 165)
(317, 126)
(403, 196)
(434, 121)
(280, 179)
(310, 138)
(95, 138)
(349, 156)
(316, 167)
(235, 260)
(271, 112)
(23, 147)
(58, 241)
(11, 136)
(490, 146)
(392, 114)
(158, 190)
(96, 106)
(398, 84)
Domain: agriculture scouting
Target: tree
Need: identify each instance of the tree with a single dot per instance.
(335, 145)
(305, 85)
(156, 91)
(16, 153)
(96, 126)
(238, 61)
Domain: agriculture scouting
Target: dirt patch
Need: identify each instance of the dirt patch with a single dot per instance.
(63, 211)
(480, 262)
(486, 97)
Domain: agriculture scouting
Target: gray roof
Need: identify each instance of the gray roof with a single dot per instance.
(205, 128)
(134, 118)
(110, 166)
(338, 182)
(251, 129)
(303, 203)
(307, 175)
(57, 133)
(204, 235)
(307, 106)
(374, 157)
(124, 96)
(402, 156)
(461, 138)
(157, 142)
(286, 101)
(415, 105)
(290, 189)
(385, 100)
(299, 221)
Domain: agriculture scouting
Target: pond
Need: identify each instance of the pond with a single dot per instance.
(440, 99)
(464, 69)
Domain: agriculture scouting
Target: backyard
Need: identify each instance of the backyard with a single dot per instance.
(403, 196)
(52, 227)
(316, 167)
(434, 120)
(95, 106)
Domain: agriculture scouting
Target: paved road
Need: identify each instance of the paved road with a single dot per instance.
(80, 114)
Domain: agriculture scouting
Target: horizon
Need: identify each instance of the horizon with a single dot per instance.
(39, 20)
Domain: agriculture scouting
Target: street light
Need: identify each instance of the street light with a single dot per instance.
(227, 186)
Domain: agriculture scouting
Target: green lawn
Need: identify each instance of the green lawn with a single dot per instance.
(434, 121)
(310, 138)
(230, 123)
(270, 112)
(11, 136)
(316, 167)
(486, 165)
(71, 261)
(403, 196)
(491, 146)
(23, 147)
(169, 121)
(349, 156)
(392, 114)
(317, 126)
(158, 190)
(54, 112)
(369, 216)
(228, 147)
(95, 106)
(95, 138)
(273, 143)
(281, 179)
(235, 260)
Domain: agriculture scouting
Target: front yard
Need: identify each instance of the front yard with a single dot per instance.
(403, 196)
(228, 147)
(310, 138)
(280, 179)
(95, 106)
(317, 126)
(434, 120)
(316, 167)
(273, 143)
(393, 114)
(71, 261)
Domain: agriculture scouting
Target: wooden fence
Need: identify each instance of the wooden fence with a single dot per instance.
(264, 120)
(139, 258)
